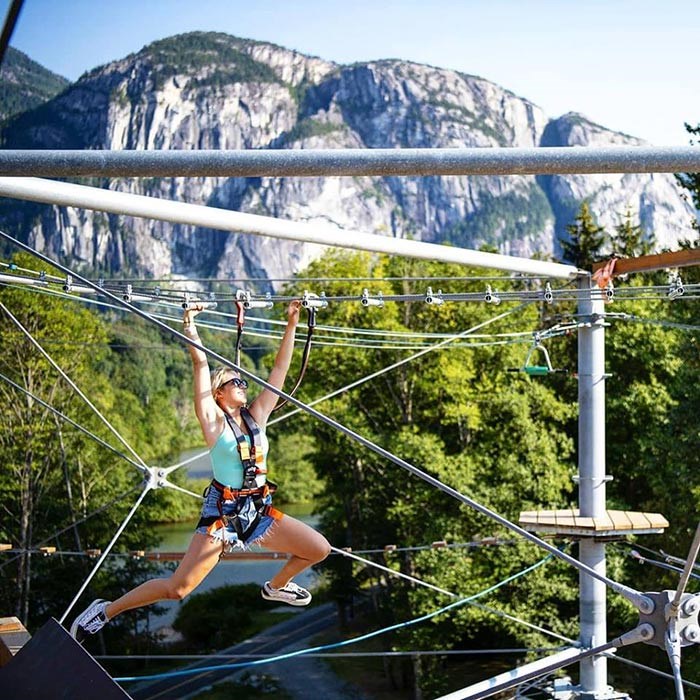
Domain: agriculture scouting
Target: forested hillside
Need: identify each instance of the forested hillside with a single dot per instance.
(25, 84)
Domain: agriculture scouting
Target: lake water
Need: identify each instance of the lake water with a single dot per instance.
(176, 537)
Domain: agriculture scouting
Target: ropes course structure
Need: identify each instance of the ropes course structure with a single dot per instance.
(668, 619)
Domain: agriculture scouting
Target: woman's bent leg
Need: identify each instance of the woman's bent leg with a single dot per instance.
(306, 546)
(200, 558)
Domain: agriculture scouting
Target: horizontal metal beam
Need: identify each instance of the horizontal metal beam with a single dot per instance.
(69, 195)
(545, 666)
(517, 676)
(356, 161)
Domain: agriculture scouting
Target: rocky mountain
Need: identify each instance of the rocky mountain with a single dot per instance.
(24, 84)
(214, 91)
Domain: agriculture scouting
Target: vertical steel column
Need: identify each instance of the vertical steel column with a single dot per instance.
(591, 464)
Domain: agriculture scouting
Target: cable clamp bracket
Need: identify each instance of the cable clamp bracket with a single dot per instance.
(314, 300)
(548, 293)
(576, 478)
(246, 298)
(190, 302)
(434, 299)
(491, 297)
(367, 300)
(676, 288)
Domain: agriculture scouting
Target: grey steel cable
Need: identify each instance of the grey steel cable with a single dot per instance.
(36, 344)
(55, 411)
(398, 574)
(635, 597)
(76, 522)
(473, 603)
(649, 669)
(660, 564)
(9, 26)
(405, 360)
(363, 344)
(654, 322)
(107, 550)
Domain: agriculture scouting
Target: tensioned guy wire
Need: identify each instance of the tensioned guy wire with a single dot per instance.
(486, 608)
(107, 550)
(640, 601)
(376, 633)
(405, 360)
(56, 534)
(94, 408)
(72, 422)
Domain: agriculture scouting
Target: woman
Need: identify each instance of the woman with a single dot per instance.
(237, 509)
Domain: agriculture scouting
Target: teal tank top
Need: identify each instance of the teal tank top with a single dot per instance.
(226, 462)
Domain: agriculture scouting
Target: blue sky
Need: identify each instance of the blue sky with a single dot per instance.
(630, 65)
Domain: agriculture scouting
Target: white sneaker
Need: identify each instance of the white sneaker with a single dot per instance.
(91, 620)
(290, 594)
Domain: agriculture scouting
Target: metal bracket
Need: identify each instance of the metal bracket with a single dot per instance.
(245, 296)
(687, 625)
(155, 478)
(676, 288)
(434, 299)
(491, 297)
(189, 303)
(602, 480)
(313, 300)
(378, 301)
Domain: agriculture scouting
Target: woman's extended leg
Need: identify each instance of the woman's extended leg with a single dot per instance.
(200, 558)
(306, 546)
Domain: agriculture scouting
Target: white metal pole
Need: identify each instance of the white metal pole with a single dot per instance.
(591, 441)
(70, 195)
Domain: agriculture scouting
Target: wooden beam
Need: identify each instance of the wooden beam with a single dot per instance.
(658, 261)
(13, 636)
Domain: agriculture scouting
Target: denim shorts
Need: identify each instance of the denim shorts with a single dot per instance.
(245, 507)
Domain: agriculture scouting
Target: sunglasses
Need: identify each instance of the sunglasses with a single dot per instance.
(237, 382)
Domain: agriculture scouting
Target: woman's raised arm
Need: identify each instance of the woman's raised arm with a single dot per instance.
(205, 407)
(262, 407)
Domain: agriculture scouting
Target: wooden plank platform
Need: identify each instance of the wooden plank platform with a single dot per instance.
(614, 523)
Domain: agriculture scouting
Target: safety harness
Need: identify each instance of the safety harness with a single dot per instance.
(251, 456)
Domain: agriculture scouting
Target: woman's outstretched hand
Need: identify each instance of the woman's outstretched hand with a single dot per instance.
(293, 311)
(189, 313)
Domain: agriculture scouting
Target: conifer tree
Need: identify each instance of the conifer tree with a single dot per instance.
(587, 239)
(629, 241)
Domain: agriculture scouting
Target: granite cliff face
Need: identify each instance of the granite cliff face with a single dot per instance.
(213, 91)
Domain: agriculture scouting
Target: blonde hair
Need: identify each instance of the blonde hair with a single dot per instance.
(220, 376)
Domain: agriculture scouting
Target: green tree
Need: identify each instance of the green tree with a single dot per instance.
(459, 415)
(629, 240)
(586, 239)
(54, 476)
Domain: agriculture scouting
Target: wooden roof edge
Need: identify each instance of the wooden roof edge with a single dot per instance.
(658, 261)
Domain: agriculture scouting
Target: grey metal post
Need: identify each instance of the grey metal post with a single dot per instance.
(591, 464)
